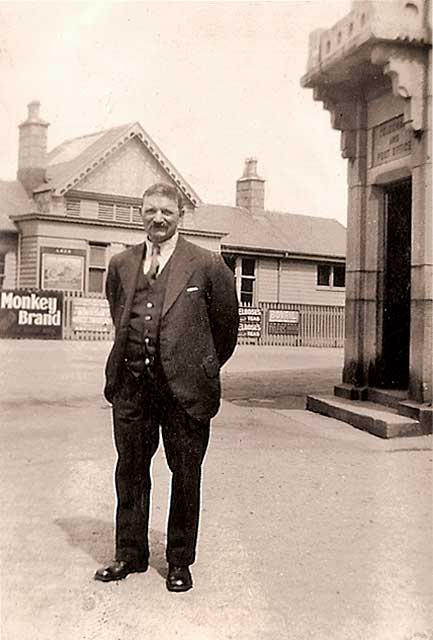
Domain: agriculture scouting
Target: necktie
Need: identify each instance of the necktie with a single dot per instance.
(154, 262)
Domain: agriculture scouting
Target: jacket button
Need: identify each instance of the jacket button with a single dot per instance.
(146, 361)
(148, 317)
(149, 305)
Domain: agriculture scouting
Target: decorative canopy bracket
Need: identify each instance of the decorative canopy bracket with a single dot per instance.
(407, 71)
(343, 118)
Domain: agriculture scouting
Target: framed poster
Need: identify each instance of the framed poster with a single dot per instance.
(62, 269)
(91, 314)
(283, 322)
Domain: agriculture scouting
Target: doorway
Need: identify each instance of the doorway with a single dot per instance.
(396, 290)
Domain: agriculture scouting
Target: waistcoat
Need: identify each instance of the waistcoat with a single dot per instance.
(144, 322)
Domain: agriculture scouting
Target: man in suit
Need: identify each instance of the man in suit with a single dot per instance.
(175, 313)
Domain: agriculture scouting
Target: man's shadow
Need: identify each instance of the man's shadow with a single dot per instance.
(96, 538)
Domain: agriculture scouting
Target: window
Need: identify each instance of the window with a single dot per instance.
(323, 275)
(97, 267)
(248, 279)
(2, 268)
(339, 276)
(331, 275)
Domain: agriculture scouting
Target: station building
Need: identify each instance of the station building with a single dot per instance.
(72, 208)
(372, 71)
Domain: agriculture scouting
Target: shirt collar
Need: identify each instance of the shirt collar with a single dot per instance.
(166, 247)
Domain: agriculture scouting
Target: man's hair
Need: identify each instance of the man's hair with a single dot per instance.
(166, 190)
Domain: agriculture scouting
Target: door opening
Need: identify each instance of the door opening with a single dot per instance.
(396, 291)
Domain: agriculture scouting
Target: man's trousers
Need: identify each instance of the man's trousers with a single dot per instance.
(141, 406)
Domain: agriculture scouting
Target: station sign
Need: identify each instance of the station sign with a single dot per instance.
(391, 140)
(283, 322)
(31, 314)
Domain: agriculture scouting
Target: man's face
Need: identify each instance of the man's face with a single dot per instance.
(161, 217)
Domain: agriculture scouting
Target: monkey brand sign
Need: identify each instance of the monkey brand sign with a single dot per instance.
(31, 314)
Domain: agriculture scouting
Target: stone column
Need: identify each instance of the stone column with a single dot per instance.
(360, 293)
(421, 348)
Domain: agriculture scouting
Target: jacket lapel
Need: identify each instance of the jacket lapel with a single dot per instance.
(181, 267)
(129, 271)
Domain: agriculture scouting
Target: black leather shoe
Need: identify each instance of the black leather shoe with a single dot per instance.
(178, 578)
(119, 570)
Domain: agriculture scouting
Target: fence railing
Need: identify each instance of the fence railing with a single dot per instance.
(84, 316)
(295, 325)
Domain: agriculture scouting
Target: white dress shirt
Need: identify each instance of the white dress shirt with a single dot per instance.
(166, 251)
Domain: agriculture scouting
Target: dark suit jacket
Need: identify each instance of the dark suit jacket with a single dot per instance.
(199, 323)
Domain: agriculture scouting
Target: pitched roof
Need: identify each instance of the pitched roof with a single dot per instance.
(274, 231)
(13, 201)
(65, 160)
(74, 159)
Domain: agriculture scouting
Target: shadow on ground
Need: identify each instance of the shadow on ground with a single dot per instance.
(96, 538)
(285, 389)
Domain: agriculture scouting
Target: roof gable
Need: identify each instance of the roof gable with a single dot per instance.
(127, 172)
(74, 160)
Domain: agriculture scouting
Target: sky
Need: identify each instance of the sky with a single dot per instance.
(211, 82)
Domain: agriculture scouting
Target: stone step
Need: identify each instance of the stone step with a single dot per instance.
(386, 397)
(376, 419)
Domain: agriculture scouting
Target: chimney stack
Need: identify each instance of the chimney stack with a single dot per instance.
(250, 189)
(32, 149)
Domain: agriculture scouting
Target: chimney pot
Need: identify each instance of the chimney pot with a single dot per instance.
(33, 110)
(250, 169)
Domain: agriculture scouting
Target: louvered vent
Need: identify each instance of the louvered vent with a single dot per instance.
(136, 215)
(72, 208)
(123, 213)
(105, 212)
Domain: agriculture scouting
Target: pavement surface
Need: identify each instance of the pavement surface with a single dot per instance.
(311, 530)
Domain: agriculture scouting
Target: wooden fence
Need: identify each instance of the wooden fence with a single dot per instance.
(86, 317)
(295, 325)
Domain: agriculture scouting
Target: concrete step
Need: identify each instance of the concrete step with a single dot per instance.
(376, 419)
(386, 397)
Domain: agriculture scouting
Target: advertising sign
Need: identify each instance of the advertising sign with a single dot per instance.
(62, 268)
(250, 325)
(31, 314)
(91, 314)
(283, 322)
(391, 140)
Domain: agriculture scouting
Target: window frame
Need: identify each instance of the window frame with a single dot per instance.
(92, 268)
(250, 278)
(331, 286)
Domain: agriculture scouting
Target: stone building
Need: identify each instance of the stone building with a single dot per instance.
(372, 71)
(72, 208)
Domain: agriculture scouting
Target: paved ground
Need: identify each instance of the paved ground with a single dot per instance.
(311, 530)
